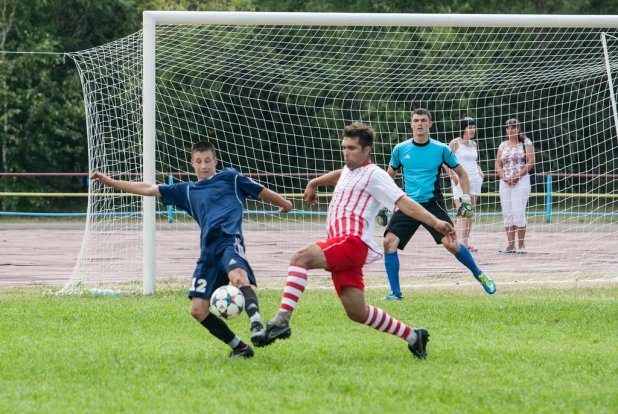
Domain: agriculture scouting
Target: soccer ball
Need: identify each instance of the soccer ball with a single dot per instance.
(227, 302)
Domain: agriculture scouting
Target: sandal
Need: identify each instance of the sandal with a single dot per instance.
(507, 250)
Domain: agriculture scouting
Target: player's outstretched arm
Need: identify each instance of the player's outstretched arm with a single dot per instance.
(415, 210)
(330, 178)
(133, 187)
(275, 198)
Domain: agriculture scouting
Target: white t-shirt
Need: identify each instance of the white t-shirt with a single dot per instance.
(356, 201)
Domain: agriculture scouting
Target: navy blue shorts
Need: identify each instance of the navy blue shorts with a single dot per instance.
(220, 256)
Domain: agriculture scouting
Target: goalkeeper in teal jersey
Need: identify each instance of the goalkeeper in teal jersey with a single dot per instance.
(216, 202)
(420, 160)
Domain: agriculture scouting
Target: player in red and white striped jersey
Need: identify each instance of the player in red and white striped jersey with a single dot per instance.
(354, 203)
(360, 188)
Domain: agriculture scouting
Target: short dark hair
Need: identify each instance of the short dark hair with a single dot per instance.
(421, 111)
(466, 122)
(203, 146)
(364, 133)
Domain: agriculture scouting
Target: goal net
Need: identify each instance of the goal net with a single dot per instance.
(273, 92)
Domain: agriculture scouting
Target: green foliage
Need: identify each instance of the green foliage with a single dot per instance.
(195, 5)
(442, 6)
(42, 128)
(42, 116)
(535, 350)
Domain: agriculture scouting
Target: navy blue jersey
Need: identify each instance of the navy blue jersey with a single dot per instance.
(216, 203)
(420, 165)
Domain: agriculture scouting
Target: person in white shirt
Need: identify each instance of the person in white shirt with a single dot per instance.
(360, 188)
(466, 151)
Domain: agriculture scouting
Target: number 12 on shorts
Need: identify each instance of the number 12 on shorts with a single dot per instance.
(198, 285)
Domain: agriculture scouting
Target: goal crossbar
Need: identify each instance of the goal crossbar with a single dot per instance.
(382, 19)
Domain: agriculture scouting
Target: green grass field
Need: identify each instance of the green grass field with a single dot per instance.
(535, 350)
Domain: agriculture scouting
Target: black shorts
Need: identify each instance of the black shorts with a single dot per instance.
(404, 226)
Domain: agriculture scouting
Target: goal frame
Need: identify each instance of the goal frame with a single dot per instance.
(151, 19)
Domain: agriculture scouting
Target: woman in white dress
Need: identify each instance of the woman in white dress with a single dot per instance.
(465, 150)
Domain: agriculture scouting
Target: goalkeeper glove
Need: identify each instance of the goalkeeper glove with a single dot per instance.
(465, 209)
(382, 217)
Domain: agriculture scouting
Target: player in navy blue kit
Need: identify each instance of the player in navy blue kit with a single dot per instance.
(420, 160)
(216, 202)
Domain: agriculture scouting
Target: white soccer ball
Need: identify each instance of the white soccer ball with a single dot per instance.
(227, 302)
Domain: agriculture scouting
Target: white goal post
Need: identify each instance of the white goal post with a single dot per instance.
(547, 70)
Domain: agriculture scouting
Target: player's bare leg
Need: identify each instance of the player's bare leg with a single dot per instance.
(353, 300)
(238, 277)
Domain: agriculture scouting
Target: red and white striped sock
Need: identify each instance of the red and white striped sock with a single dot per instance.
(383, 322)
(294, 287)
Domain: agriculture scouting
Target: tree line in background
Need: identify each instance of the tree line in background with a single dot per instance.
(42, 119)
